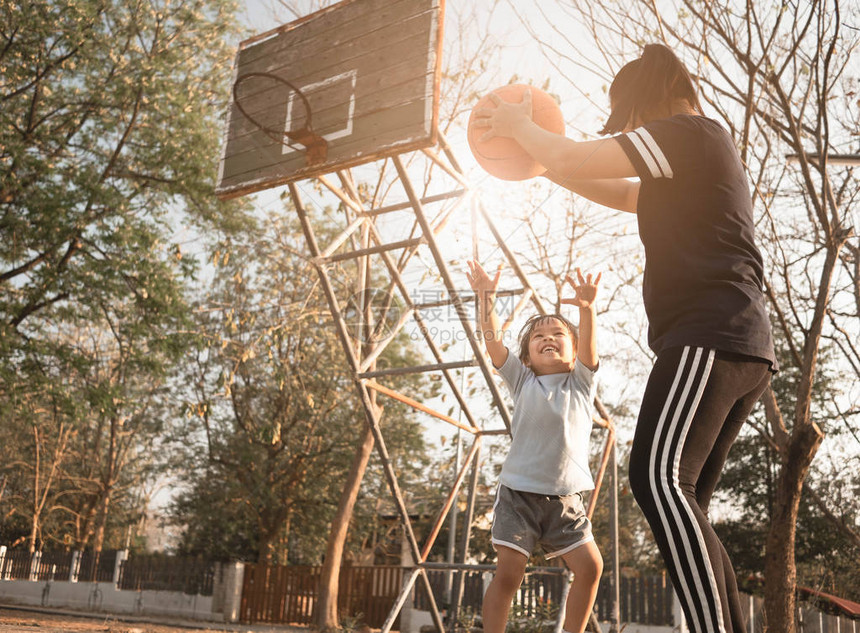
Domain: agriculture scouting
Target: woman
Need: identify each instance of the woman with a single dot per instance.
(702, 290)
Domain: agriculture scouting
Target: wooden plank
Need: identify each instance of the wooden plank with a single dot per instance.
(394, 47)
(655, 595)
(295, 589)
(339, 30)
(256, 149)
(276, 594)
(276, 176)
(374, 581)
(370, 70)
(344, 589)
(335, 27)
(266, 595)
(274, 580)
(338, 6)
(257, 586)
(245, 610)
(390, 594)
(297, 63)
(279, 595)
(262, 162)
(625, 598)
(668, 599)
(379, 90)
(312, 591)
(375, 70)
(267, 158)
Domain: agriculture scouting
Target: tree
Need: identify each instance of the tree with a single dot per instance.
(33, 458)
(267, 390)
(273, 409)
(108, 126)
(778, 76)
(459, 83)
(111, 454)
(825, 556)
(827, 540)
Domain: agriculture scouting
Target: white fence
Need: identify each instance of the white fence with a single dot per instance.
(42, 587)
(33, 580)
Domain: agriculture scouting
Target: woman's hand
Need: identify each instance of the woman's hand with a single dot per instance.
(504, 118)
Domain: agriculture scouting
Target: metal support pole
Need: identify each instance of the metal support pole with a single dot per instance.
(405, 591)
(457, 590)
(452, 523)
(370, 409)
(349, 245)
(565, 591)
(451, 287)
(615, 612)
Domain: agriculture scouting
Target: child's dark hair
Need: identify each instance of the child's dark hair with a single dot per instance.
(529, 327)
(647, 87)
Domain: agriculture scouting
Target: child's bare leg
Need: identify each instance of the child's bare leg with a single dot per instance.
(586, 563)
(510, 569)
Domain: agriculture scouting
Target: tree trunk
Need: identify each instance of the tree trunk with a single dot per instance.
(34, 533)
(797, 452)
(780, 570)
(84, 523)
(271, 523)
(326, 616)
(266, 552)
(270, 526)
(101, 521)
(34, 522)
(107, 481)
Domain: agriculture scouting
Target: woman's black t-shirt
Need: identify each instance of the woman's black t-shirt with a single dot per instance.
(703, 273)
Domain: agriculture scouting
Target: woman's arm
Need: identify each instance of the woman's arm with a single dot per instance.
(569, 159)
(575, 160)
(619, 193)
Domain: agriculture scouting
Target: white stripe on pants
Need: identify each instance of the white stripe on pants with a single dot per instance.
(689, 555)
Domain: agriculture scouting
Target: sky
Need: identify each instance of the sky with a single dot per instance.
(519, 59)
(522, 58)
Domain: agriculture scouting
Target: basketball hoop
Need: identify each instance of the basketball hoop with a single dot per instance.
(374, 92)
(315, 146)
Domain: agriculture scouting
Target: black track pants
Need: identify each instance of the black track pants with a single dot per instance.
(694, 406)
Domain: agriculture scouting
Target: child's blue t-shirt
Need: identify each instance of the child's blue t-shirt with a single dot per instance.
(551, 429)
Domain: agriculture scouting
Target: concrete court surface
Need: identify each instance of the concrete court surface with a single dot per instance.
(30, 620)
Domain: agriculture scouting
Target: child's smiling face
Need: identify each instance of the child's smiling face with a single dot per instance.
(551, 348)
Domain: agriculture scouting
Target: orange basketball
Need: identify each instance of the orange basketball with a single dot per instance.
(503, 157)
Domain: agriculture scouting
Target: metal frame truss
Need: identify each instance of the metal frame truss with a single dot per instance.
(362, 241)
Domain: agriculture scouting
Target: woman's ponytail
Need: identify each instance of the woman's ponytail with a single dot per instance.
(647, 88)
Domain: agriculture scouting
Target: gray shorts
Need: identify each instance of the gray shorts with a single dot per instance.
(521, 520)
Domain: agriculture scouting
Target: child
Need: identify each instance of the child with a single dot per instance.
(708, 324)
(539, 498)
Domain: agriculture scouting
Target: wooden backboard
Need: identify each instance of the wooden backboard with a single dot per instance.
(367, 72)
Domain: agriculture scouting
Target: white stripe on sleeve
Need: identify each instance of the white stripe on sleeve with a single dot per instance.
(659, 156)
(645, 154)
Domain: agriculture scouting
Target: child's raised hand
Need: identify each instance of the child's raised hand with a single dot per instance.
(584, 289)
(480, 280)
